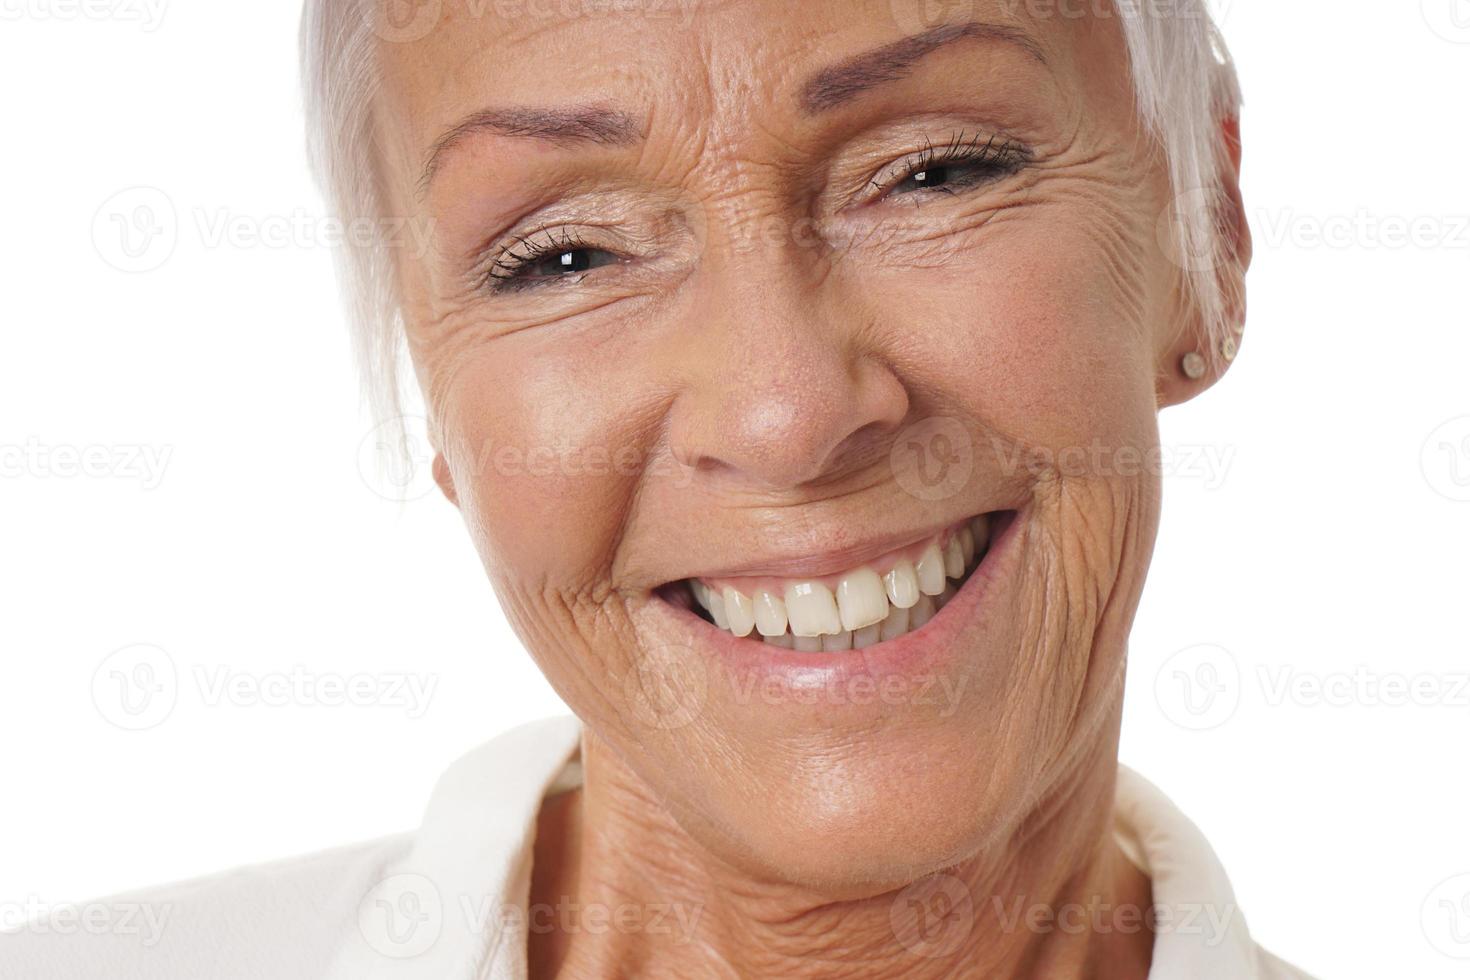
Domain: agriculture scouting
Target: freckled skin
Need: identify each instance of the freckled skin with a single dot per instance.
(733, 385)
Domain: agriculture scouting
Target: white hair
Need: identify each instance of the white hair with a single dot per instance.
(1184, 83)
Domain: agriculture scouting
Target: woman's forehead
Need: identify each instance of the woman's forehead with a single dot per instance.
(472, 41)
(707, 58)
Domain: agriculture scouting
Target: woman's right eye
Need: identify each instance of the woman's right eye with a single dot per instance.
(529, 264)
(561, 264)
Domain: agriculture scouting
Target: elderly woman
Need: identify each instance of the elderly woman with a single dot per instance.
(796, 370)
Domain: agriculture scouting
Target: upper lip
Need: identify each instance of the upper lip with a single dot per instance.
(818, 561)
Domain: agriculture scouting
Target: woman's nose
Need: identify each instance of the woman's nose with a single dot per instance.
(782, 389)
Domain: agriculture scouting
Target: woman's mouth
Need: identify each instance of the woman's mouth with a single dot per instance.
(877, 601)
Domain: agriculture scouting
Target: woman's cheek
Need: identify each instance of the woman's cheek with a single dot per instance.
(543, 474)
(1027, 327)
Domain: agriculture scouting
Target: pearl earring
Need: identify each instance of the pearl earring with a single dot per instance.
(1193, 366)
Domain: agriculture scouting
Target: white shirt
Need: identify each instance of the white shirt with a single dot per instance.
(448, 901)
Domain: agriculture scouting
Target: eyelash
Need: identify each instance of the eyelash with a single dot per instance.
(1001, 156)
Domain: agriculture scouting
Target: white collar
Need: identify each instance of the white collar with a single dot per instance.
(1205, 936)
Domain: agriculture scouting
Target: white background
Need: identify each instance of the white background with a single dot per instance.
(1324, 546)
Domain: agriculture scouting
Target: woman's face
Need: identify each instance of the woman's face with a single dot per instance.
(772, 296)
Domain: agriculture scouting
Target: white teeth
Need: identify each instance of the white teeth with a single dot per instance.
(954, 557)
(811, 609)
(922, 612)
(716, 607)
(896, 625)
(861, 600)
(930, 570)
(833, 642)
(770, 613)
(866, 609)
(902, 585)
(740, 611)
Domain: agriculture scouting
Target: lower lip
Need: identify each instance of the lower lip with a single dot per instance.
(932, 646)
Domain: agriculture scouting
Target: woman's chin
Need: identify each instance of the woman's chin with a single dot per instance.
(847, 829)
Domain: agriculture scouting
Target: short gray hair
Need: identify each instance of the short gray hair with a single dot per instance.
(1184, 83)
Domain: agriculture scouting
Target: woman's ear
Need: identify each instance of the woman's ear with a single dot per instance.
(444, 478)
(1192, 359)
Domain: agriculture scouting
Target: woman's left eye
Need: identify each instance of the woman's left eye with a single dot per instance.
(944, 176)
(957, 167)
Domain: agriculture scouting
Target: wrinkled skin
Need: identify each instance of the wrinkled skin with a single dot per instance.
(772, 317)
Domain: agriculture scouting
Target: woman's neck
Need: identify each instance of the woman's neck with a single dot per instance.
(620, 889)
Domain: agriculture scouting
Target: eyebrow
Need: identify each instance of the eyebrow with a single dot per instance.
(839, 84)
(594, 124)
